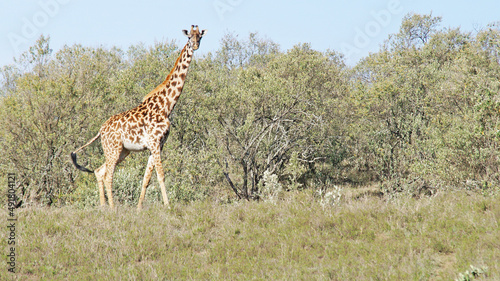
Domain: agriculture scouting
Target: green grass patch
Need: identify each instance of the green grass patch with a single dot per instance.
(296, 238)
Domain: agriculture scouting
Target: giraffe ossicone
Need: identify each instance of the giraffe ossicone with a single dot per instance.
(145, 127)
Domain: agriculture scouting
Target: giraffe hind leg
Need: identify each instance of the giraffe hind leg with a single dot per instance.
(110, 166)
(99, 174)
(108, 182)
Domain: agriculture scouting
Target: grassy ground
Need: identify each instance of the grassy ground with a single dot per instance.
(367, 238)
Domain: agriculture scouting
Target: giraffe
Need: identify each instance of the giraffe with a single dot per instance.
(145, 127)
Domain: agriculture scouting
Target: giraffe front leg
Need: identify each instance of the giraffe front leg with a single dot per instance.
(145, 181)
(159, 173)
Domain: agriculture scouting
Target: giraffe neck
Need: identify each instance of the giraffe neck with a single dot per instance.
(168, 92)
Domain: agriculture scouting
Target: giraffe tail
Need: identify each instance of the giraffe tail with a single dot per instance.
(73, 154)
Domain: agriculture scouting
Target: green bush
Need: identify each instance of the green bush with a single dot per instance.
(421, 114)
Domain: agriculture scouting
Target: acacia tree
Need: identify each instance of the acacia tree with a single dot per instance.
(426, 105)
(271, 106)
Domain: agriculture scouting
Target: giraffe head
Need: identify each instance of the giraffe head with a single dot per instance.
(194, 36)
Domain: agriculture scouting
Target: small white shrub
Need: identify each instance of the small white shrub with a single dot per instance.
(330, 198)
(269, 188)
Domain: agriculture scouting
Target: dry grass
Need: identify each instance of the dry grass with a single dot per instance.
(293, 239)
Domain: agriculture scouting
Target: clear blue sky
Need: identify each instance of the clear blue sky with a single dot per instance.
(353, 27)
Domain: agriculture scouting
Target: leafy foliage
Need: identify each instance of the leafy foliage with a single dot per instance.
(421, 114)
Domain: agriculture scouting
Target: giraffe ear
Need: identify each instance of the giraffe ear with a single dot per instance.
(185, 32)
(203, 32)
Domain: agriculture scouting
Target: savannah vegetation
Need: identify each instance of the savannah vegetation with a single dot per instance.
(282, 164)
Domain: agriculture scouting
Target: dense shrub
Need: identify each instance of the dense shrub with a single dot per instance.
(421, 114)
